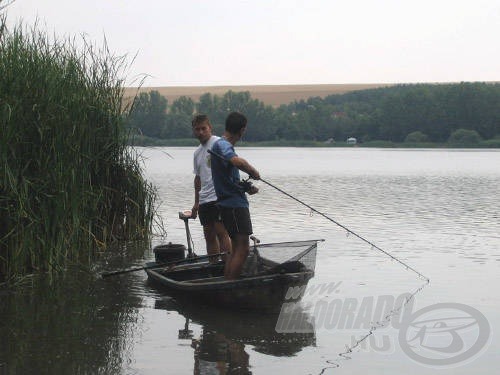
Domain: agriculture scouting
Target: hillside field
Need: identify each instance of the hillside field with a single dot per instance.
(274, 95)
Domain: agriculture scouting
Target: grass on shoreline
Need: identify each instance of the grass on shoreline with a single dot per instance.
(69, 183)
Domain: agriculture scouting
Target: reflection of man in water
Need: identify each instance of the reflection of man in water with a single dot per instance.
(216, 354)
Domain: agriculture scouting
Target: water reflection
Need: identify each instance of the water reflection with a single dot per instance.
(76, 322)
(438, 210)
(71, 325)
(223, 347)
(216, 354)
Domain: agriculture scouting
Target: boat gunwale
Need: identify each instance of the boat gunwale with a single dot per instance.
(228, 284)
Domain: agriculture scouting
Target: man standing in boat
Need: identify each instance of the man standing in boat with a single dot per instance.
(231, 199)
(216, 236)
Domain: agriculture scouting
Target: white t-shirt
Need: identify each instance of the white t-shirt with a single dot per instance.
(202, 168)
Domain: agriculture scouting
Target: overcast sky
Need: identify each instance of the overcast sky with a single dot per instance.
(231, 42)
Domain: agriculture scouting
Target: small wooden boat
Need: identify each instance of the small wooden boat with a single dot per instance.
(265, 283)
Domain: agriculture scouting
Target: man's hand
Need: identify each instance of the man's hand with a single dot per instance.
(253, 190)
(255, 175)
(194, 211)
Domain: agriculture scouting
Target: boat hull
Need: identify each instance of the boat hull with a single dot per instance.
(204, 282)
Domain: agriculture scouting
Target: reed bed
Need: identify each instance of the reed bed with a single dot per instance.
(69, 184)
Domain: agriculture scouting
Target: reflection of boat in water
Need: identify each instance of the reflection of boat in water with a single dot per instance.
(269, 273)
(246, 327)
(216, 354)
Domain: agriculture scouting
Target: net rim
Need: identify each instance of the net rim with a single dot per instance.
(291, 243)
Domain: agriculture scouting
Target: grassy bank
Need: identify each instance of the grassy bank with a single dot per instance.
(69, 181)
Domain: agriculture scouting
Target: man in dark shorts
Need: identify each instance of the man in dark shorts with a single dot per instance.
(205, 198)
(231, 197)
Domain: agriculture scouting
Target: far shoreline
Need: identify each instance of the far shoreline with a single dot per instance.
(192, 142)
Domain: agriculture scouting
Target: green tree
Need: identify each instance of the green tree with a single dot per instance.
(236, 101)
(262, 122)
(177, 126)
(206, 104)
(464, 137)
(416, 137)
(183, 105)
(148, 113)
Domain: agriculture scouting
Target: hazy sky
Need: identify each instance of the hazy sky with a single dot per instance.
(231, 42)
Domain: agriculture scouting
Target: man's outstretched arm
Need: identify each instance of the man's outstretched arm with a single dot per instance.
(245, 166)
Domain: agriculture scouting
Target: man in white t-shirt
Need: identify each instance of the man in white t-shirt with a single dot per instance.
(205, 199)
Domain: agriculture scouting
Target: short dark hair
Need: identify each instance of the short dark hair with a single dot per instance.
(235, 121)
(199, 119)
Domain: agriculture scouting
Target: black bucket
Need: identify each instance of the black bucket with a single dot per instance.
(170, 252)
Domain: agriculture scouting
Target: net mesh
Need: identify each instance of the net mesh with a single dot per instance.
(298, 256)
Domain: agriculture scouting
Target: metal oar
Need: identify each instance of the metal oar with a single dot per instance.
(159, 265)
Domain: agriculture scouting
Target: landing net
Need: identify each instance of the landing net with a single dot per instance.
(297, 256)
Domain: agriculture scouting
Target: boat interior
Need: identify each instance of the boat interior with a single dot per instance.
(196, 272)
(205, 271)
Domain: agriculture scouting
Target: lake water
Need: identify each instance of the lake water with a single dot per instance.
(436, 210)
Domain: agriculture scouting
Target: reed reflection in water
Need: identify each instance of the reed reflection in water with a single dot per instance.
(75, 324)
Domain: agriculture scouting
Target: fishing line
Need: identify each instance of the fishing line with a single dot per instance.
(348, 230)
(387, 318)
(349, 348)
(408, 267)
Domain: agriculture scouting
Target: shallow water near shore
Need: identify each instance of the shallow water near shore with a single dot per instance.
(436, 210)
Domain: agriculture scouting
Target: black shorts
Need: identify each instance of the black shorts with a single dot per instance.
(208, 213)
(236, 220)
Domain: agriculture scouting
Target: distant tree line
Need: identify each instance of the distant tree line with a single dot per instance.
(411, 113)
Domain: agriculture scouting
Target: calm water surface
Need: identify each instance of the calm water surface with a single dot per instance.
(437, 210)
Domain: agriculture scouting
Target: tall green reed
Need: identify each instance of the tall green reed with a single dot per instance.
(69, 183)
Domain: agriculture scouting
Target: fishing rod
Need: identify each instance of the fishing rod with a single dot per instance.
(348, 230)
(408, 267)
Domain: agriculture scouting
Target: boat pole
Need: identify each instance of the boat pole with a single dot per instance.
(185, 216)
(348, 230)
(174, 263)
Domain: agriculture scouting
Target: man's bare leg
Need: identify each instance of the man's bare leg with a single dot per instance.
(211, 241)
(227, 265)
(239, 254)
(224, 239)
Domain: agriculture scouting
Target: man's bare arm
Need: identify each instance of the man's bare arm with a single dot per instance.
(197, 188)
(245, 166)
